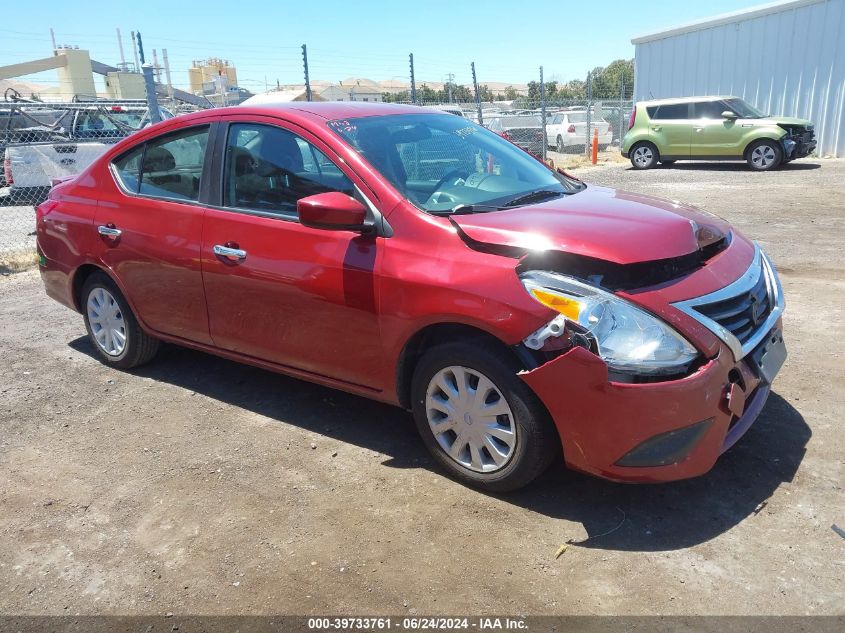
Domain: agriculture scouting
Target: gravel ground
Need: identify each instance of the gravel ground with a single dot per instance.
(196, 485)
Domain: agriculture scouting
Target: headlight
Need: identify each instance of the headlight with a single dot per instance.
(627, 338)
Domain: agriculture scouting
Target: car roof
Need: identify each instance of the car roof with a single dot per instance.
(313, 110)
(652, 102)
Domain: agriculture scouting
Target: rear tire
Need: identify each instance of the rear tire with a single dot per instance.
(644, 156)
(764, 155)
(561, 148)
(113, 329)
(479, 386)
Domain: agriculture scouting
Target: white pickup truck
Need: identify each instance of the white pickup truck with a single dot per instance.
(568, 129)
(29, 168)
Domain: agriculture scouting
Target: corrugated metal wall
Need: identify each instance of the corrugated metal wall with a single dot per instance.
(791, 62)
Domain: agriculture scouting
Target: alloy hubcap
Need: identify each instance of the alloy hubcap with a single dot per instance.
(106, 321)
(642, 156)
(763, 156)
(470, 419)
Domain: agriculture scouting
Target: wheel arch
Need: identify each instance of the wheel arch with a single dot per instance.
(766, 136)
(431, 336)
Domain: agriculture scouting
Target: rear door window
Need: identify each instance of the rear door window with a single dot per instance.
(671, 111)
(172, 165)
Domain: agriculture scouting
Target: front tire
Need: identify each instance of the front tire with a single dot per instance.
(644, 156)
(480, 422)
(764, 155)
(113, 329)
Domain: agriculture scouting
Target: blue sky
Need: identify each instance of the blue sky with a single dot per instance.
(507, 39)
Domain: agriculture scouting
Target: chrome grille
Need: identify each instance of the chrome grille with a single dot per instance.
(743, 313)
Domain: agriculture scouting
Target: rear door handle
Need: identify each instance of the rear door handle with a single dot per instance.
(699, 129)
(227, 252)
(109, 230)
(657, 128)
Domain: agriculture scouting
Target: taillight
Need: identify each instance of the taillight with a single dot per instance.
(571, 129)
(7, 171)
(632, 118)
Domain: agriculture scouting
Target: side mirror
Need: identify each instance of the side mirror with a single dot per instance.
(333, 211)
(727, 114)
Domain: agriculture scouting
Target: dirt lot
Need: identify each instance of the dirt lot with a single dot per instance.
(200, 486)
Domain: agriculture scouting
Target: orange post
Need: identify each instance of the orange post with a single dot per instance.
(595, 145)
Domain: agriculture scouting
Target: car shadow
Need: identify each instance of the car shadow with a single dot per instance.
(729, 166)
(657, 517)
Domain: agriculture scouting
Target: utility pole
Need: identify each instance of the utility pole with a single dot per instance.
(450, 81)
(305, 65)
(413, 83)
(477, 96)
(543, 110)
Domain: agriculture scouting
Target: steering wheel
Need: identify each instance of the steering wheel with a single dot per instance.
(455, 174)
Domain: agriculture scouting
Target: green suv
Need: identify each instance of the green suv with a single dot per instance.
(713, 128)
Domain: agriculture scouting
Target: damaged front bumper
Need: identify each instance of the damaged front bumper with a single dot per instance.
(798, 144)
(647, 432)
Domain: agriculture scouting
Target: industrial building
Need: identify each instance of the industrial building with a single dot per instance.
(785, 58)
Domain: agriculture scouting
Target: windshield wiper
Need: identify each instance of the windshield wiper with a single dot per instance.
(466, 209)
(535, 196)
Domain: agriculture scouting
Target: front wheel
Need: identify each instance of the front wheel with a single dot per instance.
(644, 156)
(112, 328)
(479, 420)
(764, 155)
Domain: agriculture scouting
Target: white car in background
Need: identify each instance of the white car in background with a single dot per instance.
(568, 129)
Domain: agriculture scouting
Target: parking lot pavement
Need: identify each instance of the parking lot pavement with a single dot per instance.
(196, 485)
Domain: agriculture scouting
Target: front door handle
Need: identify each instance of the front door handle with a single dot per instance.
(109, 230)
(227, 252)
(699, 129)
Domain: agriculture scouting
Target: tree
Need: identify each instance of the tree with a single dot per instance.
(606, 81)
(511, 93)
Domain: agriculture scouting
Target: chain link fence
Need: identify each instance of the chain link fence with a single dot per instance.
(44, 142)
(41, 143)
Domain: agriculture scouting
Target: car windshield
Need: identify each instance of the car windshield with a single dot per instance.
(743, 109)
(444, 164)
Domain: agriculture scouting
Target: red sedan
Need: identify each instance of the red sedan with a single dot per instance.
(413, 257)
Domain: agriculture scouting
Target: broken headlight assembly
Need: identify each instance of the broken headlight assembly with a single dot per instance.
(628, 339)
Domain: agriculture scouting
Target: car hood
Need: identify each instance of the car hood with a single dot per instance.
(786, 120)
(598, 222)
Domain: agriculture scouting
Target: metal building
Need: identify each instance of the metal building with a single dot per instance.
(785, 58)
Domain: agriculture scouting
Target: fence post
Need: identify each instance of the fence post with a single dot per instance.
(543, 111)
(152, 100)
(140, 47)
(305, 67)
(589, 112)
(477, 96)
(621, 107)
(413, 82)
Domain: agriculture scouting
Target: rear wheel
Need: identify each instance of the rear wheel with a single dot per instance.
(644, 156)
(764, 155)
(479, 420)
(560, 146)
(112, 328)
